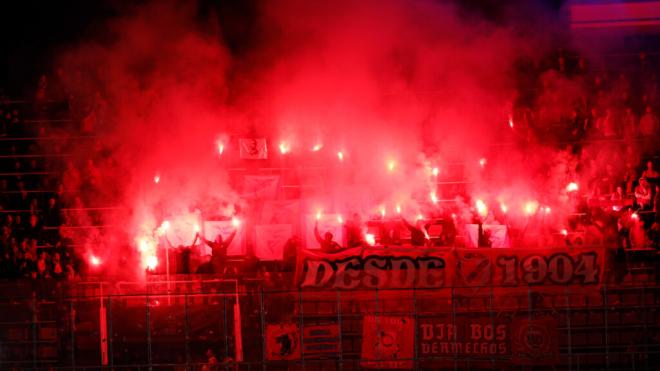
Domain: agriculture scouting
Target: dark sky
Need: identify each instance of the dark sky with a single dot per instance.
(34, 31)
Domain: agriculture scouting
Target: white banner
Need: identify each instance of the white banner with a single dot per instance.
(260, 186)
(225, 228)
(280, 212)
(495, 235)
(271, 239)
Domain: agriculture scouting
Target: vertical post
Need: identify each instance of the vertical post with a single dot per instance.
(186, 329)
(646, 334)
(339, 322)
(302, 327)
(453, 322)
(263, 328)
(110, 343)
(605, 320)
(416, 333)
(167, 271)
(569, 335)
(238, 334)
(103, 327)
(72, 314)
(34, 330)
(148, 328)
(225, 323)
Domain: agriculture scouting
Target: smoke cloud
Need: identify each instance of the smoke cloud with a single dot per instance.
(399, 88)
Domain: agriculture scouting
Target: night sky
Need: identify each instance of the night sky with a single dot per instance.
(35, 31)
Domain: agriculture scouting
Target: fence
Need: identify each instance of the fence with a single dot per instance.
(259, 325)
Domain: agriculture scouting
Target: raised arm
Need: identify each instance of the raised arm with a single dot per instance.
(317, 234)
(230, 238)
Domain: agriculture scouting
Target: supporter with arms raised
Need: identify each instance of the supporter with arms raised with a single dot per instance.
(328, 244)
(418, 233)
(219, 250)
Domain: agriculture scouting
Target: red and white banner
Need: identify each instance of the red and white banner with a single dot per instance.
(270, 241)
(280, 212)
(260, 186)
(225, 228)
(282, 342)
(494, 235)
(253, 148)
(388, 342)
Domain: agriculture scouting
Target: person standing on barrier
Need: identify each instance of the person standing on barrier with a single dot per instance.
(219, 250)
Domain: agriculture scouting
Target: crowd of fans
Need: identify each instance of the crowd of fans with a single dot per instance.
(608, 119)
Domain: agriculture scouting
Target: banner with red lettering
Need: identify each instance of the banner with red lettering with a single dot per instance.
(475, 270)
(374, 267)
(388, 342)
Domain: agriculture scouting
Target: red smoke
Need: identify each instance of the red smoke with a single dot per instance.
(379, 94)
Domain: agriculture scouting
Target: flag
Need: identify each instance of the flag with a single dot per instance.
(387, 342)
(280, 212)
(495, 235)
(253, 148)
(260, 186)
(271, 239)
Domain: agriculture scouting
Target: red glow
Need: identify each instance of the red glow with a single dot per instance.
(635, 216)
(564, 232)
(156, 178)
(370, 239)
(482, 162)
(235, 222)
(435, 171)
(340, 155)
(317, 147)
(340, 220)
(221, 148)
(572, 187)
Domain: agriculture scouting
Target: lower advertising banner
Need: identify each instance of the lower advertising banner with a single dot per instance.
(388, 342)
(535, 341)
(464, 336)
(282, 342)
